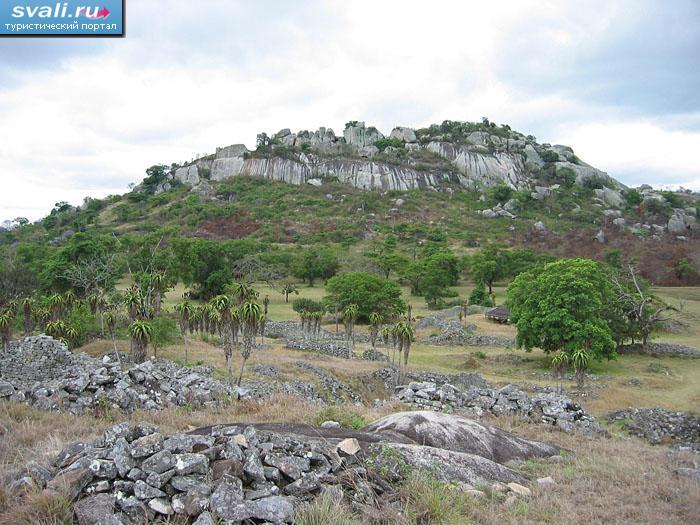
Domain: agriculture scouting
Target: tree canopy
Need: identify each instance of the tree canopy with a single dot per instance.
(560, 307)
(369, 292)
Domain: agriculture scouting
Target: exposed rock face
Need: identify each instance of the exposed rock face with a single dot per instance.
(682, 222)
(484, 160)
(258, 472)
(460, 435)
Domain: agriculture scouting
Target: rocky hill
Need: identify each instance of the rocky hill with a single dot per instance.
(469, 155)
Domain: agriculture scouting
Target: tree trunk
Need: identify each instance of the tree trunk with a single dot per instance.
(240, 373)
(580, 377)
(116, 352)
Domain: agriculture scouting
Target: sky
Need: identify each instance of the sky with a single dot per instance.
(619, 81)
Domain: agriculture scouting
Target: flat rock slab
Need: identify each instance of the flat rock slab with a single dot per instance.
(453, 447)
(460, 434)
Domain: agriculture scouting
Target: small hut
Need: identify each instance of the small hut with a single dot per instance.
(500, 314)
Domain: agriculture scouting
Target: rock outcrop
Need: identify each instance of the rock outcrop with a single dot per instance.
(259, 473)
(481, 159)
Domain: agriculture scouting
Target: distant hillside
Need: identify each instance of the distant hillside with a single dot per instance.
(469, 184)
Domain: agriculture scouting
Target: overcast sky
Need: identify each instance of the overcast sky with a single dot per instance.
(619, 81)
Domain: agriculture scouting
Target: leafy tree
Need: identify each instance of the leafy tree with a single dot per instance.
(390, 262)
(316, 263)
(560, 307)
(287, 289)
(369, 292)
(433, 275)
(488, 265)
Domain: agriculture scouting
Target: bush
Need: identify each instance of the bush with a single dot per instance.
(566, 176)
(501, 193)
(307, 305)
(550, 156)
(347, 417)
(480, 296)
(633, 198)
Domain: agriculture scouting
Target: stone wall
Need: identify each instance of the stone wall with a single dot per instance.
(548, 408)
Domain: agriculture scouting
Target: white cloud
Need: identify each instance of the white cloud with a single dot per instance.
(192, 77)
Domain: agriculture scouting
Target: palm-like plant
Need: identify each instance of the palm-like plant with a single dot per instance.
(110, 319)
(159, 285)
(405, 335)
(386, 334)
(375, 321)
(7, 321)
(28, 318)
(133, 302)
(266, 303)
(559, 362)
(580, 359)
(243, 292)
(70, 300)
(222, 304)
(56, 304)
(184, 311)
(140, 332)
(56, 329)
(350, 313)
(250, 314)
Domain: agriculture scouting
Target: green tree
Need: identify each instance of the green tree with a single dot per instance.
(287, 289)
(369, 292)
(488, 265)
(560, 307)
(432, 276)
(390, 262)
(315, 263)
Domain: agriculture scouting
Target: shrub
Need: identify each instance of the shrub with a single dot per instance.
(633, 198)
(347, 417)
(550, 156)
(480, 296)
(501, 193)
(566, 176)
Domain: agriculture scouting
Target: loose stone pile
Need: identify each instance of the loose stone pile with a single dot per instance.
(669, 349)
(44, 373)
(259, 473)
(549, 408)
(136, 473)
(454, 334)
(657, 426)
